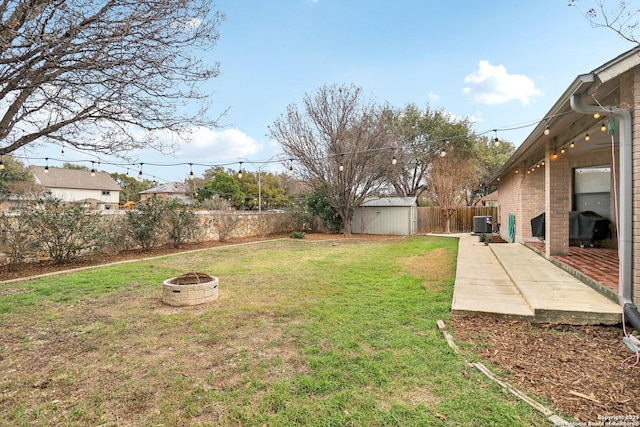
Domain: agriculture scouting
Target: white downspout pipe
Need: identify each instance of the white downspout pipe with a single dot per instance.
(625, 199)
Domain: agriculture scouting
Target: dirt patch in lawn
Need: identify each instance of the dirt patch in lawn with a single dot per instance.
(432, 267)
(579, 370)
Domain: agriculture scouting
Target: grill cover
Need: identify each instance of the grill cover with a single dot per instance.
(582, 226)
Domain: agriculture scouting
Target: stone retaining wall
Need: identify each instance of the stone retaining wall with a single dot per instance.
(215, 225)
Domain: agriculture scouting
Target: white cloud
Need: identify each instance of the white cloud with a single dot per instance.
(476, 117)
(491, 84)
(210, 145)
(434, 97)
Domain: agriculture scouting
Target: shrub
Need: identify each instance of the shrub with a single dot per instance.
(301, 218)
(181, 221)
(226, 223)
(114, 234)
(63, 231)
(297, 235)
(319, 207)
(17, 240)
(146, 222)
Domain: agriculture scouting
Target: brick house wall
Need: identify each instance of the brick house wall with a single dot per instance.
(631, 98)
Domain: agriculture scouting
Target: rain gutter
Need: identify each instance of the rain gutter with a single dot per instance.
(625, 224)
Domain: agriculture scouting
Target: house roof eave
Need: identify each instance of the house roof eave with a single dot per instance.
(583, 83)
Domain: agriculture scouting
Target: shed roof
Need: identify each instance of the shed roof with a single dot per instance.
(74, 178)
(390, 201)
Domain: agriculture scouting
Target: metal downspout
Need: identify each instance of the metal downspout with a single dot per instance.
(625, 225)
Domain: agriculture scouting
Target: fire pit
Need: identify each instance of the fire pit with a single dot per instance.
(189, 289)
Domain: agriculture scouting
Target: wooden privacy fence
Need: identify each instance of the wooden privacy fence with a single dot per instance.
(431, 220)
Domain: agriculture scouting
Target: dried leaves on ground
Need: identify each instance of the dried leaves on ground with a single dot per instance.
(583, 372)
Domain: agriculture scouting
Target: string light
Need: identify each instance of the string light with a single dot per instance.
(442, 152)
(554, 156)
(596, 116)
(341, 168)
(290, 167)
(191, 175)
(46, 166)
(93, 170)
(394, 160)
(496, 141)
(240, 171)
(587, 137)
(562, 150)
(603, 128)
(573, 144)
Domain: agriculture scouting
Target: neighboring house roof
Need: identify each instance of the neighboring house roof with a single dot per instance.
(491, 196)
(566, 125)
(390, 201)
(168, 188)
(74, 178)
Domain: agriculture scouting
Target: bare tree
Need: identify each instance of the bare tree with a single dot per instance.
(118, 69)
(420, 137)
(341, 146)
(448, 182)
(621, 18)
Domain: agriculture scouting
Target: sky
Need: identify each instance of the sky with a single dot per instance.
(503, 64)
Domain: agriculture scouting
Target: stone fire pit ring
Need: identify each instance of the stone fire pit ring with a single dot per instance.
(189, 289)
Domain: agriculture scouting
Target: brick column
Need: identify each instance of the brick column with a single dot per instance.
(557, 203)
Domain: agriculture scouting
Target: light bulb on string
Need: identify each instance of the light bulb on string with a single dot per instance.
(603, 128)
(573, 144)
(394, 160)
(562, 150)
(46, 166)
(596, 116)
(290, 167)
(191, 175)
(587, 137)
(341, 167)
(93, 170)
(240, 171)
(496, 141)
(140, 173)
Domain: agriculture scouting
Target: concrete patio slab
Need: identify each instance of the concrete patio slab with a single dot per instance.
(512, 281)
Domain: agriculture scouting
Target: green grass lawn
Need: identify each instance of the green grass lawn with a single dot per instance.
(303, 333)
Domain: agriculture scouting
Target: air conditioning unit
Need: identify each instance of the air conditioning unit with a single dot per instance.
(482, 224)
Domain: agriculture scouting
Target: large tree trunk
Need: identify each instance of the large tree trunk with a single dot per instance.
(447, 213)
(346, 222)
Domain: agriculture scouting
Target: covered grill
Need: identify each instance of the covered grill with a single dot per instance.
(583, 226)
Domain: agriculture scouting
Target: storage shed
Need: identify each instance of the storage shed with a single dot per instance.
(386, 215)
